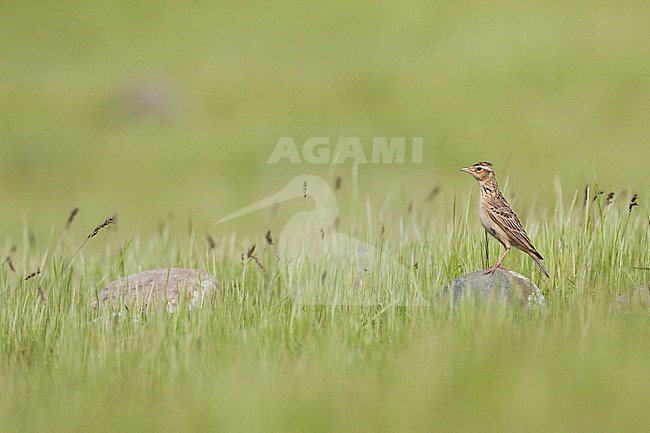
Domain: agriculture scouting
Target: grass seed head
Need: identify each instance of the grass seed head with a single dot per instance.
(10, 264)
(598, 194)
(269, 237)
(71, 218)
(433, 193)
(633, 202)
(107, 222)
(250, 254)
(33, 274)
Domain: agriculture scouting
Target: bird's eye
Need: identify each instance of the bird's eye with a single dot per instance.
(479, 169)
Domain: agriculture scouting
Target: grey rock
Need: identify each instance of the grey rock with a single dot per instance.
(163, 287)
(500, 285)
(637, 297)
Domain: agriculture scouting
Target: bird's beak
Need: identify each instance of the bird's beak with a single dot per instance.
(279, 197)
(294, 189)
(465, 169)
(270, 201)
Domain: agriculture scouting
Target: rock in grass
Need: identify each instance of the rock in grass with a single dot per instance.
(167, 287)
(637, 297)
(500, 285)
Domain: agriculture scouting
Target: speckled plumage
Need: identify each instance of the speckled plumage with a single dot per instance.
(498, 218)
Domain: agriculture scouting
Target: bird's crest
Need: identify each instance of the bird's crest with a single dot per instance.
(484, 164)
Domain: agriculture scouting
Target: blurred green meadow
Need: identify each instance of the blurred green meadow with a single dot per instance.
(166, 114)
(543, 90)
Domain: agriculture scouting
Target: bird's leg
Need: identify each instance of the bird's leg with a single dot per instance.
(498, 265)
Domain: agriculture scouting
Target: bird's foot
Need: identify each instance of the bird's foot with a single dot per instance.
(491, 269)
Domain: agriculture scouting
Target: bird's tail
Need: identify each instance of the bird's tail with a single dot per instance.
(538, 259)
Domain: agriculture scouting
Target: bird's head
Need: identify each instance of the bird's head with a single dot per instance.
(482, 171)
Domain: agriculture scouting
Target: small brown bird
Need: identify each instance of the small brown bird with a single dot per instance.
(498, 218)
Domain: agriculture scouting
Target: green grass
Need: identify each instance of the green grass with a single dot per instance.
(554, 94)
(252, 360)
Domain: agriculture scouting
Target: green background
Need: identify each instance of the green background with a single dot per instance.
(165, 113)
(157, 107)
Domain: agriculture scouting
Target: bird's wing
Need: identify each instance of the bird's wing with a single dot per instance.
(507, 220)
